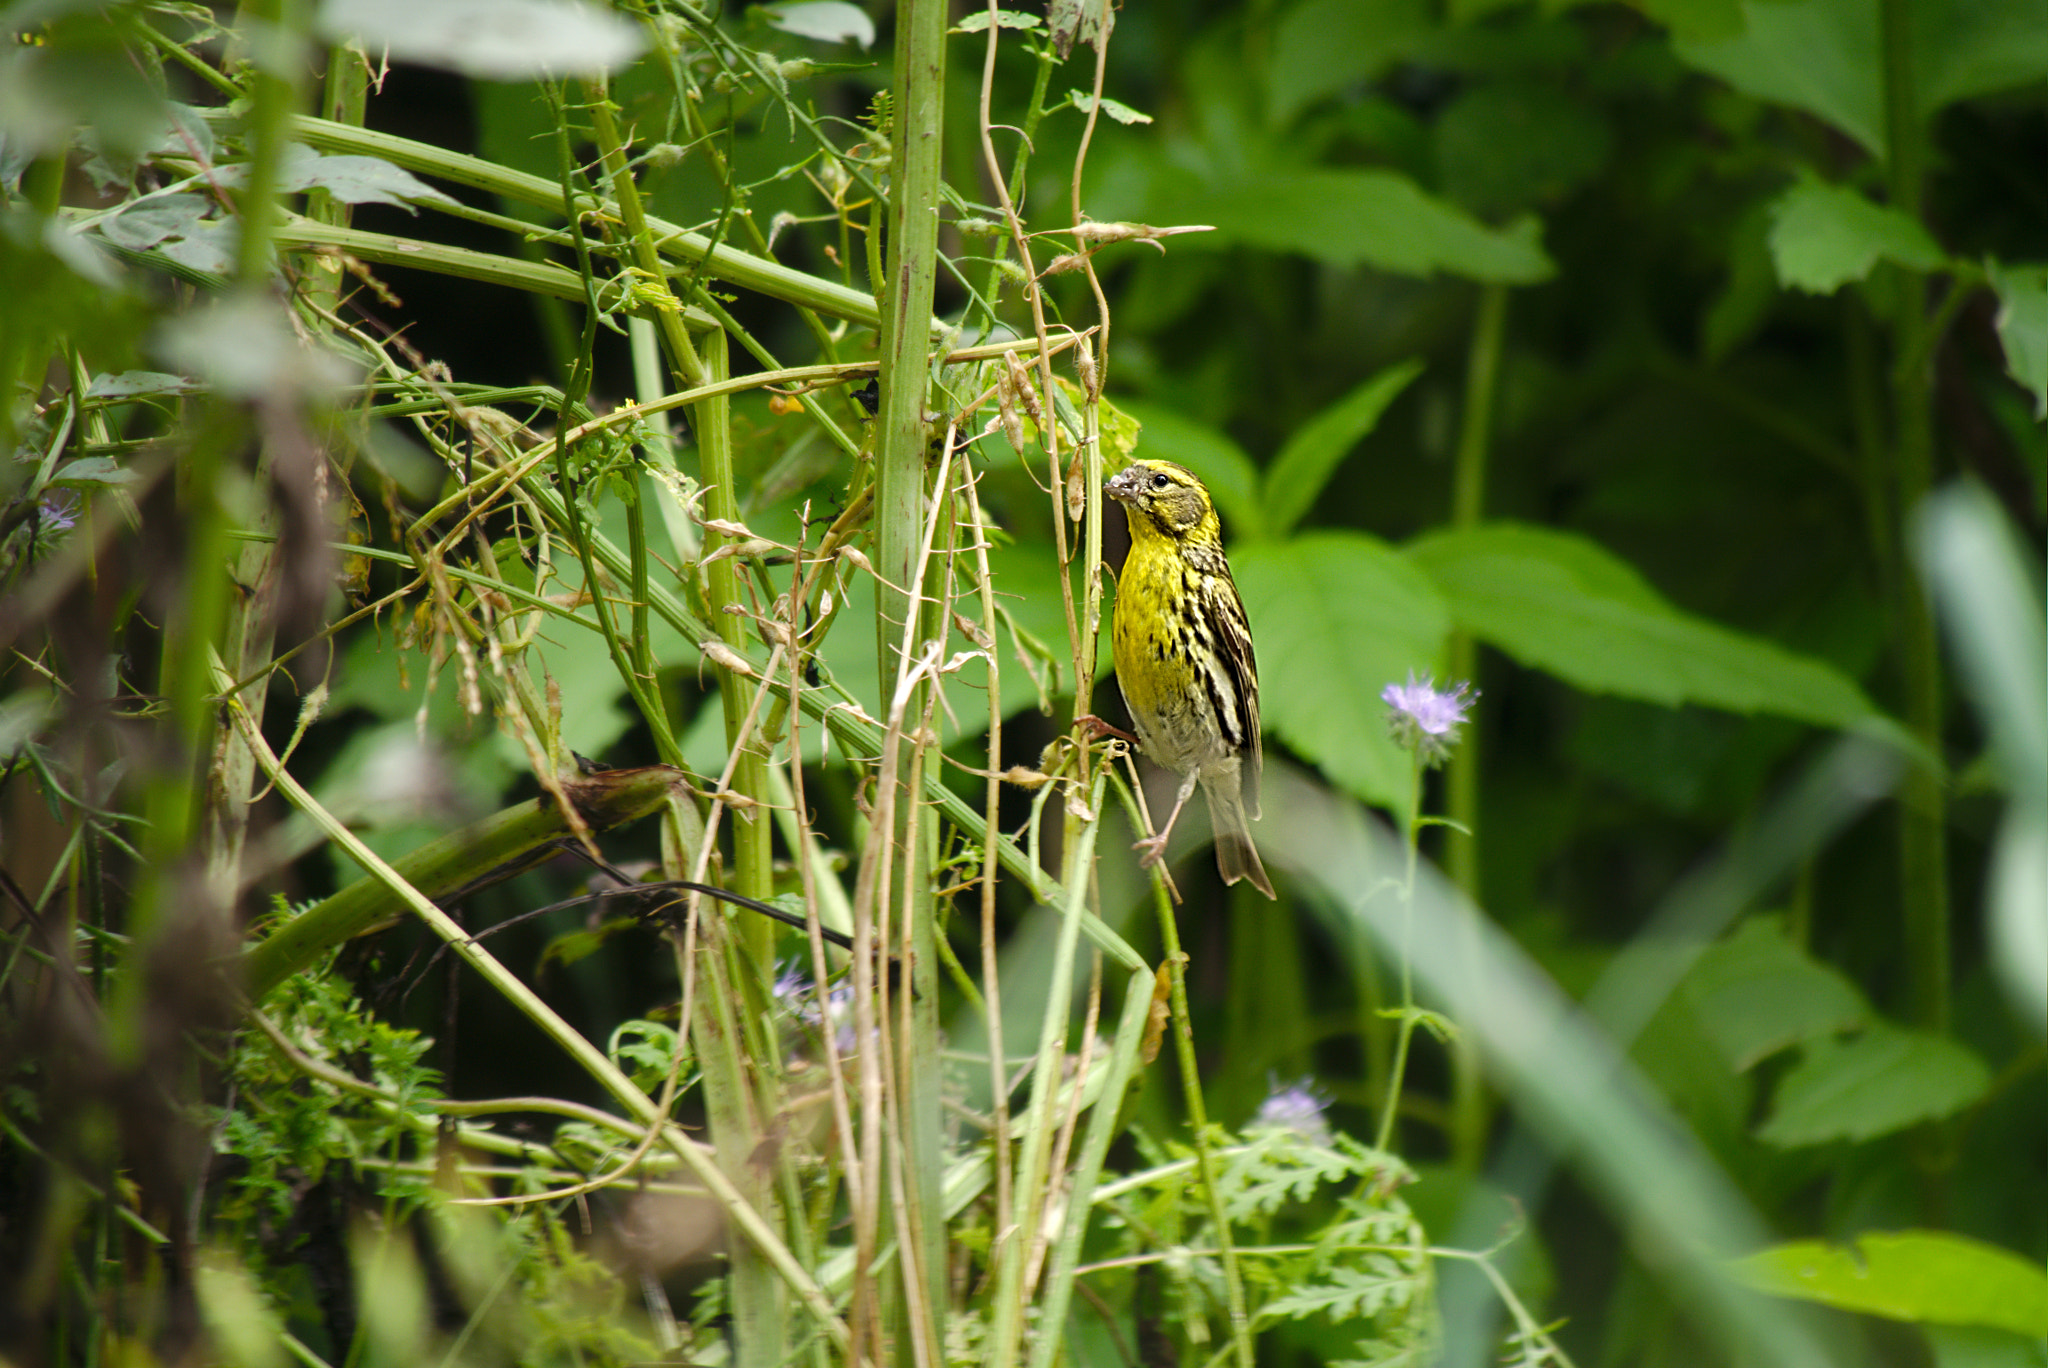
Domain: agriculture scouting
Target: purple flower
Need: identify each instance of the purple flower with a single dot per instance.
(1297, 1107)
(58, 511)
(798, 996)
(1425, 719)
(792, 988)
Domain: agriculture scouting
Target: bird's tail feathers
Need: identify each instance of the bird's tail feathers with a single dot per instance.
(1236, 856)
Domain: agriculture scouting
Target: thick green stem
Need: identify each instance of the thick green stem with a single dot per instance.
(483, 853)
(1471, 1109)
(1923, 818)
(900, 493)
(753, 833)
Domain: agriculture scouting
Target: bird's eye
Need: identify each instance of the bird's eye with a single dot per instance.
(1160, 481)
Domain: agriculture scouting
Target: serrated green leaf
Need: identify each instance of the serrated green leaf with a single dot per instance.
(1882, 1081)
(1337, 616)
(1277, 1165)
(1756, 993)
(1561, 603)
(1383, 1284)
(1925, 1276)
(2023, 327)
(1824, 56)
(1313, 453)
(1824, 236)
(358, 180)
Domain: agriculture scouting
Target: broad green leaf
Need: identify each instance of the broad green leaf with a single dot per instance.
(1313, 453)
(1558, 602)
(1336, 617)
(1825, 57)
(1824, 236)
(358, 180)
(1884, 1080)
(350, 179)
(497, 40)
(75, 252)
(2023, 327)
(1351, 218)
(1963, 48)
(1231, 478)
(1817, 55)
(210, 246)
(1320, 47)
(1756, 993)
(1927, 1276)
(238, 1317)
(92, 470)
(827, 21)
(146, 223)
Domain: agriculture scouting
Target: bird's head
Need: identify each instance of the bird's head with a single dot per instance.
(1164, 498)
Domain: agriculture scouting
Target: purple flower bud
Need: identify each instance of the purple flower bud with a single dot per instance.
(1297, 1107)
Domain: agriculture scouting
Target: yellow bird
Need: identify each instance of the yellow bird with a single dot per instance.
(1184, 659)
